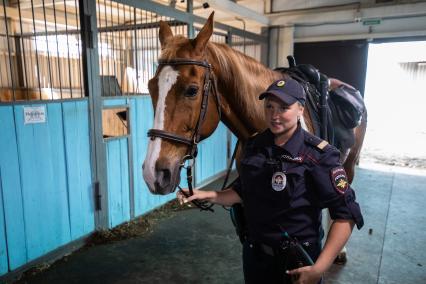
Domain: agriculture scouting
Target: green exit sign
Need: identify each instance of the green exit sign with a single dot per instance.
(371, 22)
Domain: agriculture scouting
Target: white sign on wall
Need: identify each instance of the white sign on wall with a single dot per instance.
(35, 114)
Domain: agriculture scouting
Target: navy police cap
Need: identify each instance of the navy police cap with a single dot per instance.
(287, 90)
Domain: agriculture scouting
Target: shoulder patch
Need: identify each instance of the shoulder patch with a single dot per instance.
(339, 179)
(322, 144)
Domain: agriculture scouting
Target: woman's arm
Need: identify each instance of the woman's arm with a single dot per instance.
(338, 235)
(225, 197)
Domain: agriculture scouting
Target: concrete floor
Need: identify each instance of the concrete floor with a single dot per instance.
(201, 247)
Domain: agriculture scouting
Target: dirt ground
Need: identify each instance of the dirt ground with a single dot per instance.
(138, 227)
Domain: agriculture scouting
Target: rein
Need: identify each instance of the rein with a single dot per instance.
(192, 143)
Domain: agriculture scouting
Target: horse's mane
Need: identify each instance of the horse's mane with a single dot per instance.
(246, 75)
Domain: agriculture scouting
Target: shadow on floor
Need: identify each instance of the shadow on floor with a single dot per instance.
(201, 247)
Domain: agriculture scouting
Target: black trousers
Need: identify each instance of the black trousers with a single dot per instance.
(260, 267)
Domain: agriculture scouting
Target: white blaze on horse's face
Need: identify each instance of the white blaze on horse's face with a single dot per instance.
(166, 79)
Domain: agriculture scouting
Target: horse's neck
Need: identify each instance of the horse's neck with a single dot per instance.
(240, 80)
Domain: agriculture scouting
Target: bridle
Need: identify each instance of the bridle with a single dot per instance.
(192, 143)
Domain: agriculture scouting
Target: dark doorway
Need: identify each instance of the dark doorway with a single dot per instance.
(345, 60)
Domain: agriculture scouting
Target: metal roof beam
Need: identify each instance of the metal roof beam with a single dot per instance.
(238, 10)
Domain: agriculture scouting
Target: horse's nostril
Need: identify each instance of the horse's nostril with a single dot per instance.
(163, 177)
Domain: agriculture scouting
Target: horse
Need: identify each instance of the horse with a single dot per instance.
(185, 113)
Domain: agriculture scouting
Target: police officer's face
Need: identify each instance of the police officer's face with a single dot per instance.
(280, 117)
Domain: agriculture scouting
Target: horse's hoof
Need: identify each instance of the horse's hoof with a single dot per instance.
(341, 258)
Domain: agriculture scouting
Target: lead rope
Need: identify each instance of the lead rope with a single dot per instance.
(204, 205)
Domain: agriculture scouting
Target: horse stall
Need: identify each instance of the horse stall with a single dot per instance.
(45, 162)
(74, 113)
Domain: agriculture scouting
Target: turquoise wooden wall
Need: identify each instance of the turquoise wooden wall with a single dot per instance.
(45, 181)
(46, 194)
(212, 156)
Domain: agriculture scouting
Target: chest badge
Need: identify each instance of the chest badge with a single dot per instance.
(279, 181)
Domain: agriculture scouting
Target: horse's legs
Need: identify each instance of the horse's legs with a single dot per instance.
(354, 153)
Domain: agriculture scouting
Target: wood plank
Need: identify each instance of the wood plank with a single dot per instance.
(118, 190)
(77, 149)
(113, 185)
(124, 179)
(59, 227)
(12, 190)
(139, 141)
(4, 263)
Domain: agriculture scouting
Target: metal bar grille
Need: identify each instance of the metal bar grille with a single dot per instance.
(40, 50)
(129, 47)
(247, 46)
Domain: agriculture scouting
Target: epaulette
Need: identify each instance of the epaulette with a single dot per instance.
(322, 144)
(259, 139)
(253, 135)
(250, 141)
(317, 142)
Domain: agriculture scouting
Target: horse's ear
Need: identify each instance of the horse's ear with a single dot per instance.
(200, 42)
(165, 33)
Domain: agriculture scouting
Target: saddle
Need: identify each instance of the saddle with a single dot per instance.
(334, 117)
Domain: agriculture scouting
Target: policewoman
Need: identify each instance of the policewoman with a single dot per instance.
(287, 176)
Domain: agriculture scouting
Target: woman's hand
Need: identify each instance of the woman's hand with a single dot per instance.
(305, 275)
(201, 195)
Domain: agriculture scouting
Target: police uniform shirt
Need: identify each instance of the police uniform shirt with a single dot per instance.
(315, 180)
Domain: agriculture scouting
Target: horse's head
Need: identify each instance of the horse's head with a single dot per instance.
(177, 92)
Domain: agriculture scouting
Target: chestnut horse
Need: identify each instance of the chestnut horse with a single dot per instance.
(185, 114)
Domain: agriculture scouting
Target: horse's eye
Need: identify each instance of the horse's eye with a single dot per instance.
(191, 91)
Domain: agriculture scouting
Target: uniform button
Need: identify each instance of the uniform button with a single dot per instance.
(250, 245)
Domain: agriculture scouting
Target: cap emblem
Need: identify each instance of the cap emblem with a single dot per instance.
(280, 83)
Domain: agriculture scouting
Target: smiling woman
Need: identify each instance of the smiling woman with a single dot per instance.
(287, 176)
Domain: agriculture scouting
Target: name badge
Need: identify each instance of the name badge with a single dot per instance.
(279, 181)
